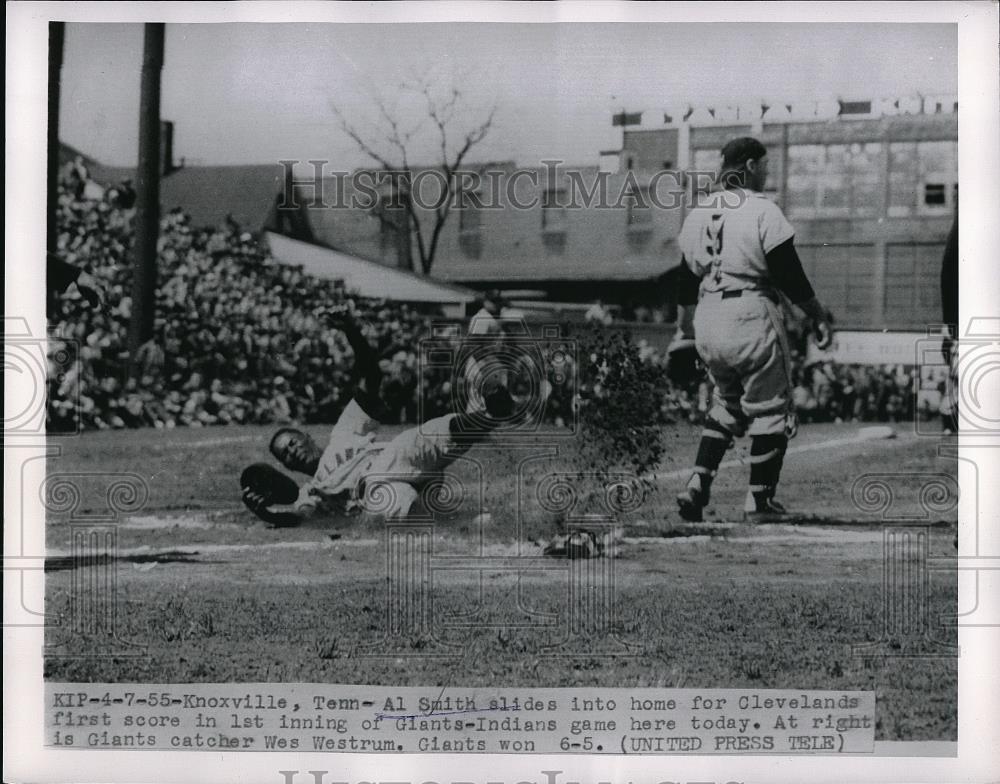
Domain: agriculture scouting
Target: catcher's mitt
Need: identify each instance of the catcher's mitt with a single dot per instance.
(263, 485)
(683, 362)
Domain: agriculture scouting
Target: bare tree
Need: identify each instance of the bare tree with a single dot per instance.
(392, 143)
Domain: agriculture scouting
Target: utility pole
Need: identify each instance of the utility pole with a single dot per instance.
(147, 203)
(57, 33)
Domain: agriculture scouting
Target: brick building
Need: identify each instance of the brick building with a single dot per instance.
(520, 233)
(870, 186)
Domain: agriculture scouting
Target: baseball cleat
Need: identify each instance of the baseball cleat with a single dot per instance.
(689, 506)
(761, 508)
(692, 500)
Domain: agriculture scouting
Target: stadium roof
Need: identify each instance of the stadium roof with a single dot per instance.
(208, 194)
(591, 249)
(68, 153)
(363, 277)
(211, 193)
(578, 260)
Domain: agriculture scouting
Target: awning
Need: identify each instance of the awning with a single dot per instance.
(367, 278)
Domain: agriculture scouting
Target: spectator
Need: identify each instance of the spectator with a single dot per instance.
(235, 339)
(598, 314)
(486, 320)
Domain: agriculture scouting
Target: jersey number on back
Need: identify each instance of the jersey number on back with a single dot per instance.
(713, 245)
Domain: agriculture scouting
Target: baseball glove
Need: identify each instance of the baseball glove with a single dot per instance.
(683, 362)
(263, 485)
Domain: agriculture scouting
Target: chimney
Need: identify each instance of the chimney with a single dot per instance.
(166, 148)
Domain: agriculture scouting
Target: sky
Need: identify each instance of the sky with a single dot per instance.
(258, 93)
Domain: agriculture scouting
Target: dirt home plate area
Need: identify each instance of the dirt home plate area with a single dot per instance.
(202, 592)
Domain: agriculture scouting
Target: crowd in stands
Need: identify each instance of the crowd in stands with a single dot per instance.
(822, 392)
(236, 340)
(235, 337)
(825, 392)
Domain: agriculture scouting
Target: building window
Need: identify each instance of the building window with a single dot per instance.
(938, 169)
(705, 170)
(844, 279)
(903, 178)
(864, 166)
(805, 172)
(935, 194)
(554, 211)
(833, 180)
(639, 214)
(855, 107)
(390, 227)
(471, 244)
(912, 284)
(775, 172)
(386, 237)
(469, 215)
(923, 177)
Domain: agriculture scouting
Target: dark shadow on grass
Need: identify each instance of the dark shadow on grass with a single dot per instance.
(870, 523)
(723, 528)
(64, 563)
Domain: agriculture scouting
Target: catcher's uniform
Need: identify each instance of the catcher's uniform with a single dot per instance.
(379, 478)
(949, 312)
(739, 331)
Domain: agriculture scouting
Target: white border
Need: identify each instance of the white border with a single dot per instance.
(979, 166)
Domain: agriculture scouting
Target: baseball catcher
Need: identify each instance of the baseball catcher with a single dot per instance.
(949, 314)
(340, 474)
(738, 254)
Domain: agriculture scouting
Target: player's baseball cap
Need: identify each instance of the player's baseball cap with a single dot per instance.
(737, 152)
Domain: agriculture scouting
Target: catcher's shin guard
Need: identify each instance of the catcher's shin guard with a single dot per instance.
(692, 500)
(767, 454)
(715, 440)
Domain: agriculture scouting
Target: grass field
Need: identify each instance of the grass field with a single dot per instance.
(205, 594)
